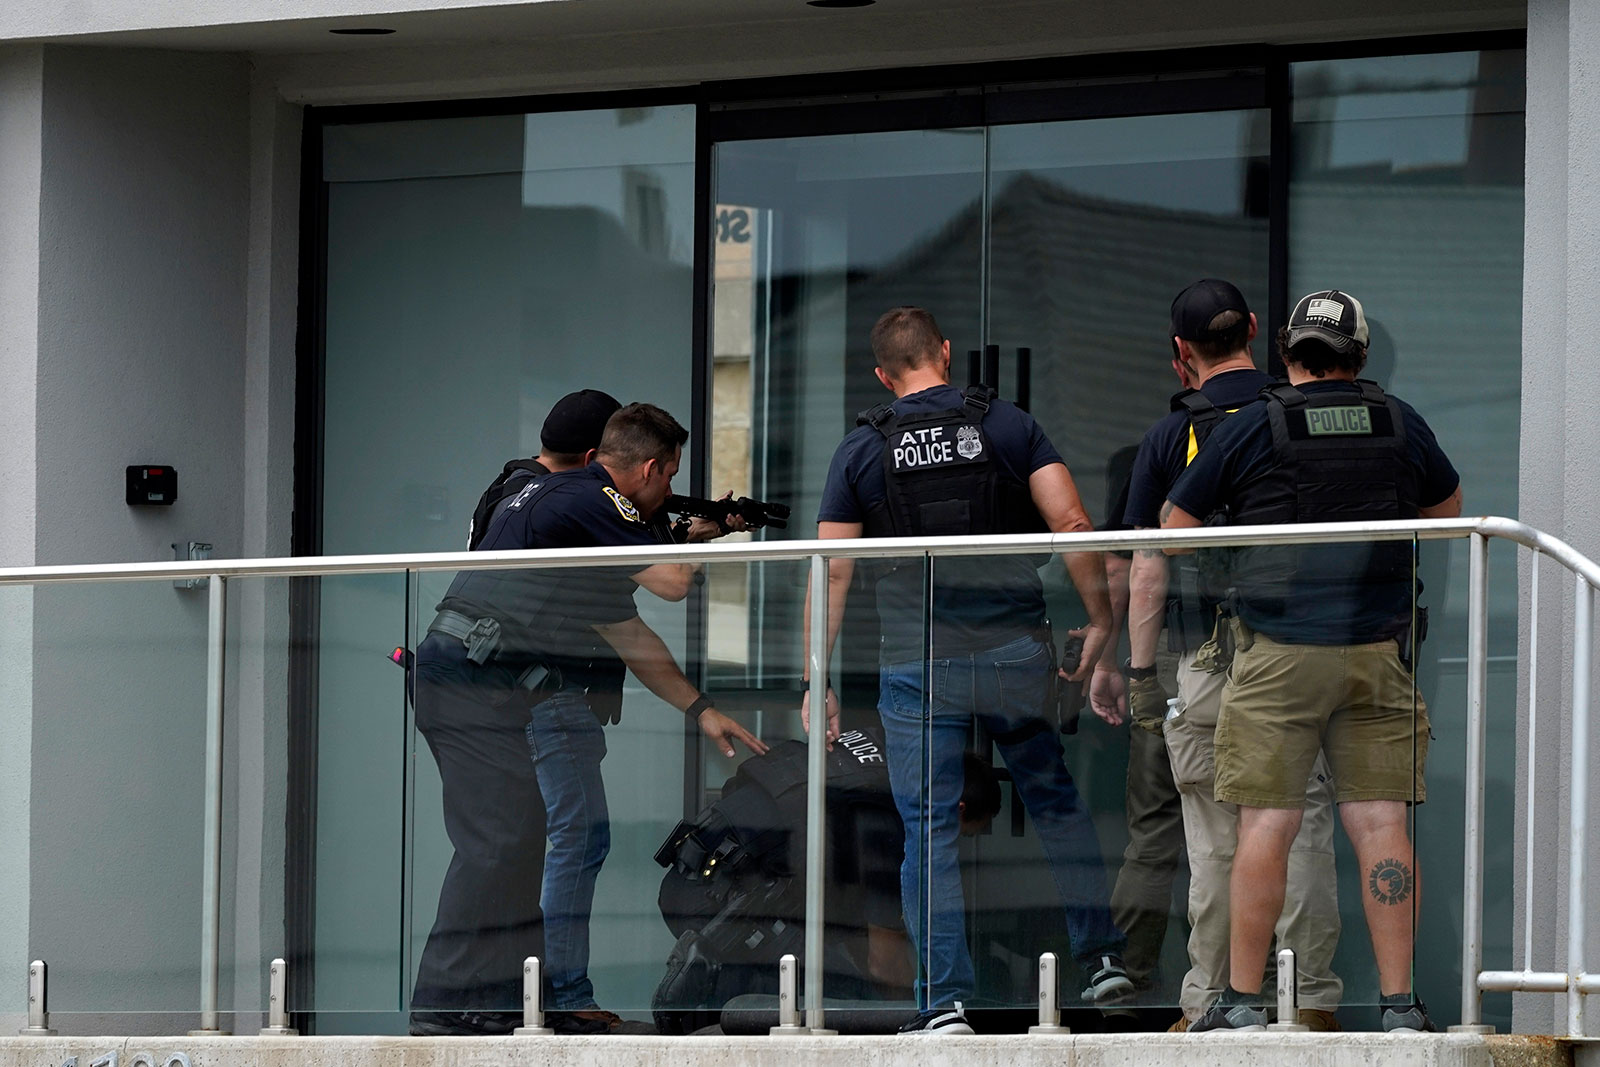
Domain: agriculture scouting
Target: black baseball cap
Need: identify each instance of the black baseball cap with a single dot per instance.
(577, 421)
(1203, 301)
(1332, 317)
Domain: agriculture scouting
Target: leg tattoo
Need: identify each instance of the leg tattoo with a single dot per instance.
(1390, 882)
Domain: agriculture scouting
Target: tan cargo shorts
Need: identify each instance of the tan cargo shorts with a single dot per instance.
(1283, 703)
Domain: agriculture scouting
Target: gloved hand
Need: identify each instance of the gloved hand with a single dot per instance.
(1147, 699)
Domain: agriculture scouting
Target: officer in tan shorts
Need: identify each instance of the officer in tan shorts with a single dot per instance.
(1211, 331)
(1318, 665)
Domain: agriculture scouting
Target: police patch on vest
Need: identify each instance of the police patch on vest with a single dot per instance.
(625, 506)
(522, 498)
(1347, 420)
(935, 446)
(969, 442)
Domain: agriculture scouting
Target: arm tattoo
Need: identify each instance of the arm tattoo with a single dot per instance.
(1150, 553)
(1166, 511)
(1390, 882)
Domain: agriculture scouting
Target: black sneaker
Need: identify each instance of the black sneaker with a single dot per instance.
(1404, 1014)
(1236, 1017)
(463, 1023)
(940, 1022)
(578, 1023)
(1108, 980)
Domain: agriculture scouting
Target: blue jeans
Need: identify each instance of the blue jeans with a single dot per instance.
(567, 744)
(1006, 689)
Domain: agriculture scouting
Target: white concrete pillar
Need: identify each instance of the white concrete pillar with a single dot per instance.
(1560, 478)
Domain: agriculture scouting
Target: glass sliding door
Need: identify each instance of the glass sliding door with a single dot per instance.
(1406, 190)
(478, 268)
(1095, 225)
(1065, 239)
(816, 237)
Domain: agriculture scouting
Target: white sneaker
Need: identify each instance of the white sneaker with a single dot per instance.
(943, 1022)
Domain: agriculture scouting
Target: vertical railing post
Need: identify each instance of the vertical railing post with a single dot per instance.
(278, 1002)
(211, 876)
(38, 1010)
(1472, 860)
(788, 998)
(1049, 998)
(532, 1000)
(817, 794)
(1578, 818)
(1288, 994)
(1532, 759)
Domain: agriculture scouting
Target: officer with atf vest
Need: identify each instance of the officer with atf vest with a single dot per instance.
(1170, 758)
(502, 686)
(939, 461)
(1318, 663)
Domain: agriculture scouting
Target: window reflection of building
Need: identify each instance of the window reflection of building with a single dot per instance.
(733, 340)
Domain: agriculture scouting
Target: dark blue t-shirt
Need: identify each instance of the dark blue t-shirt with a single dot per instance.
(549, 614)
(1239, 452)
(1165, 450)
(978, 603)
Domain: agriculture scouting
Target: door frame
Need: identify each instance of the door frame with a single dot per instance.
(935, 97)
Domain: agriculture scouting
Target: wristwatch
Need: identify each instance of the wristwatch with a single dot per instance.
(1138, 674)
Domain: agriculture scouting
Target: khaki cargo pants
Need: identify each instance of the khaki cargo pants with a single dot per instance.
(1310, 920)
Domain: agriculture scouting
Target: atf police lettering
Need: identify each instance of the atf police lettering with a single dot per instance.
(1349, 420)
(928, 447)
(862, 747)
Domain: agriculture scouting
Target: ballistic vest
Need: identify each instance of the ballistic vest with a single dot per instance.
(1341, 457)
(941, 477)
(513, 476)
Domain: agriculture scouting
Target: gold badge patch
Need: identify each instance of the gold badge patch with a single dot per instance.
(625, 506)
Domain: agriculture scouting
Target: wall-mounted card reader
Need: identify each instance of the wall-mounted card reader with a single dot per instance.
(152, 485)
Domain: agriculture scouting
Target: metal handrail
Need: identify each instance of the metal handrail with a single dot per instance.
(1574, 982)
(762, 551)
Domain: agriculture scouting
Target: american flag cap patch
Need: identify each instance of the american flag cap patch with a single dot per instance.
(1323, 308)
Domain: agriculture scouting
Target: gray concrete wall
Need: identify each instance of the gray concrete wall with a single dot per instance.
(141, 337)
(260, 737)
(1560, 479)
(21, 100)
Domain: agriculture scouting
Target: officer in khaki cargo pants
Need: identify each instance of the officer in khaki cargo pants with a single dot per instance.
(1212, 328)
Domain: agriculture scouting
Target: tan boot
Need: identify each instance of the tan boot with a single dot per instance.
(1180, 1026)
(1319, 1021)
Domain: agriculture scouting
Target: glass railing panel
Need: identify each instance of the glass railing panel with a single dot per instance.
(583, 856)
(16, 778)
(1018, 863)
(701, 884)
(1085, 860)
(1442, 680)
(347, 704)
(116, 703)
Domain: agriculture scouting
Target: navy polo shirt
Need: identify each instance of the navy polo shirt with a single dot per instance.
(1239, 452)
(977, 603)
(1164, 451)
(549, 614)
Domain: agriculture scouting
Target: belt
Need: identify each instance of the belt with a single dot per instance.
(481, 636)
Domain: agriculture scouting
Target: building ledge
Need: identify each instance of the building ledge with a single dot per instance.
(1119, 1050)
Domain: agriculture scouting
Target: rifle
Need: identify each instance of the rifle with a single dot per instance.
(755, 513)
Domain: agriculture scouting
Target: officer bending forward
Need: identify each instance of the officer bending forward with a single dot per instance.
(508, 645)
